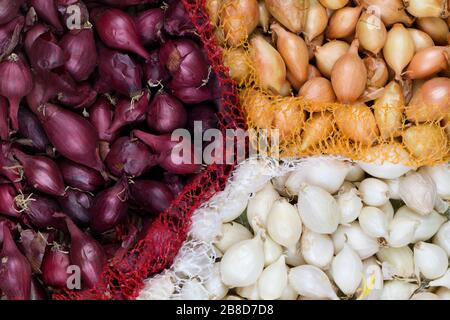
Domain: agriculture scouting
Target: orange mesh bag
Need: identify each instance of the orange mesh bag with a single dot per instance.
(357, 82)
(124, 276)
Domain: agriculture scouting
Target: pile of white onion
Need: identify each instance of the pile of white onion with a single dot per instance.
(329, 231)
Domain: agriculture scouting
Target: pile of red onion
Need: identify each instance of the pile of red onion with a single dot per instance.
(90, 92)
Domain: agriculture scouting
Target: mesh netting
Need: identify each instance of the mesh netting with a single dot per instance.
(124, 276)
(419, 134)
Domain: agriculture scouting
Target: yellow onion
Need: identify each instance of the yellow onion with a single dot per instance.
(316, 21)
(388, 111)
(257, 108)
(269, 65)
(391, 11)
(264, 16)
(328, 54)
(333, 4)
(316, 42)
(399, 49)
(421, 39)
(428, 62)
(387, 160)
(371, 32)
(427, 8)
(213, 8)
(357, 123)
(349, 75)
(426, 142)
(431, 102)
(239, 18)
(317, 129)
(289, 117)
(343, 22)
(317, 90)
(290, 13)
(238, 61)
(436, 28)
(313, 72)
(294, 52)
(377, 72)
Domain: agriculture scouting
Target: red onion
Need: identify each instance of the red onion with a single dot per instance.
(76, 205)
(46, 10)
(33, 34)
(166, 114)
(9, 224)
(45, 53)
(118, 31)
(170, 162)
(10, 35)
(33, 245)
(87, 254)
(41, 173)
(9, 167)
(79, 176)
(110, 207)
(149, 25)
(30, 128)
(126, 3)
(68, 16)
(16, 82)
(130, 157)
(186, 62)
(54, 268)
(4, 126)
(42, 93)
(37, 291)
(174, 182)
(155, 73)
(128, 112)
(177, 21)
(41, 211)
(72, 135)
(7, 202)
(204, 114)
(192, 95)
(84, 97)
(119, 72)
(15, 271)
(157, 144)
(9, 10)
(101, 116)
(81, 53)
(151, 196)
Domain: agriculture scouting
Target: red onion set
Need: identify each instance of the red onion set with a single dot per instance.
(88, 104)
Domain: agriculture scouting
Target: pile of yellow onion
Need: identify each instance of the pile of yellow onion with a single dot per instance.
(376, 70)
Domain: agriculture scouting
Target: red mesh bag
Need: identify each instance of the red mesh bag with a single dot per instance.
(123, 277)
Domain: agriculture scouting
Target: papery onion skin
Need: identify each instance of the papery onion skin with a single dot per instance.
(377, 72)
(334, 4)
(153, 197)
(4, 125)
(42, 212)
(177, 21)
(7, 203)
(317, 89)
(9, 10)
(388, 110)
(31, 129)
(290, 13)
(426, 142)
(421, 39)
(392, 11)
(317, 129)
(428, 62)
(238, 62)
(101, 117)
(149, 25)
(238, 19)
(10, 36)
(399, 49)
(46, 10)
(343, 22)
(328, 54)
(54, 268)
(357, 123)
(128, 112)
(371, 32)
(316, 21)
(427, 8)
(166, 114)
(79, 176)
(436, 28)
(76, 205)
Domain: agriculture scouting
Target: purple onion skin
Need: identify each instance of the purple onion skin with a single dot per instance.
(101, 116)
(33, 245)
(130, 157)
(42, 93)
(41, 173)
(72, 135)
(174, 182)
(43, 213)
(177, 21)
(128, 112)
(119, 72)
(45, 53)
(8, 223)
(87, 254)
(32, 34)
(192, 95)
(10, 36)
(30, 128)
(80, 177)
(76, 205)
(118, 30)
(9, 10)
(15, 271)
(153, 197)
(84, 97)
(170, 161)
(7, 203)
(110, 207)
(37, 290)
(166, 114)
(7, 161)
(54, 268)
(158, 144)
(127, 3)
(15, 83)
(81, 53)
(46, 10)
(205, 114)
(155, 73)
(149, 25)
(4, 126)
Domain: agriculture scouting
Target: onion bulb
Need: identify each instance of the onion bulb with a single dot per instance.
(371, 32)
(269, 65)
(426, 8)
(399, 49)
(357, 122)
(294, 52)
(264, 16)
(426, 142)
(285, 114)
(391, 11)
(328, 54)
(436, 28)
(343, 22)
(388, 110)
(349, 75)
(317, 90)
(256, 105)
(213, 8)
(333, 4)
(238, 62)
(377, 72)
(318, 128)
(431, 102)
(428, 62)
(238, 20)
(316, 21)
(421, 39)
(290, 13)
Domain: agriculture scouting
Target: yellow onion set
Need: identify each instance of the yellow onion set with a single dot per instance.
(340, 76)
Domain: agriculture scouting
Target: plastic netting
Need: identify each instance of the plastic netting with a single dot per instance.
(124, 276)
(418, 133)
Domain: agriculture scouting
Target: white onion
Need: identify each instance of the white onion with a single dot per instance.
(272, 251)
(374, 222)
(259, 206)
(317, 249)
(355, 173)
(443, 281)
(216, 288)
(398, 290)
(402, 231)
(430, 260)
(273, 280)
(357, 239)
(428, 225)
(284, 224)
(311, 282)
(288, 293)
(373, 280)
(397, 261)
(231, 234)
(374, 192)
(346, 270)
(249, 292)
(233, 206)
(442, 238)
(441, 177)
(350, 205)
(294, 256)
(418, 191)
(387, 170)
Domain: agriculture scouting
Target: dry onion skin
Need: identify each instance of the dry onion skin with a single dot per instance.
(290, 13)
(239, 18)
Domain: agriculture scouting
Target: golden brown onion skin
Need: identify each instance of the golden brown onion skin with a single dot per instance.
(319, 90)
(436, 28)
(426, 142)
(343, 22)
(388, 111)
(290, 13)
(239, 18)
(391, 11)
(428, 62)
